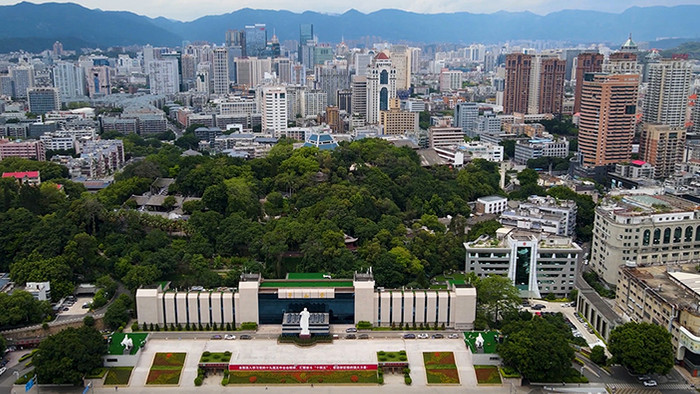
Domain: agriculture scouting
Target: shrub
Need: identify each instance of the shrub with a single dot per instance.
(90, 322)
(598, 355)
(407, 380)
(198, 381)
(354, 378)
(206, 327)
(249, 325)
(45, 326)
(364, 325)
(253, 379)
(144, 327)
(224, 381)
(206, 354)
(134, 327)
(228, 326)
(157, 327)
(227, 354)
(179, 327)
(187, 327)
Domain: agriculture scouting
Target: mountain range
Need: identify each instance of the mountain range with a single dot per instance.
(34, 27)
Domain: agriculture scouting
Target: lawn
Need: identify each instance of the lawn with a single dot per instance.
(166, 368)
(97, 373)
(305, 377)
(115, 347)
(208, 357)
(118, 376)
(391, 357)
(317, 283)
(490, 340)
(487, 374)
(440, 368)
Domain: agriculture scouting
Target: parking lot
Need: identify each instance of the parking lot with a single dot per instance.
(77, 308)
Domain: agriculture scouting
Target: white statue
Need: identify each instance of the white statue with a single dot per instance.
(127, 342)
(304, 322)
(479, 342)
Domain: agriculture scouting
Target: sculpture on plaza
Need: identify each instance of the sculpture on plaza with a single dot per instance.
(304, 323)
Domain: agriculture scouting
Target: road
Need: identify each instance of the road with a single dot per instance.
(569, 312)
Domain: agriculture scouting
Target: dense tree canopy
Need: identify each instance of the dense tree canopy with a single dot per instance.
(64, 358)
(642, 348)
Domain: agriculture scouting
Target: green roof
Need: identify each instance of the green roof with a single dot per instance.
(310, 283)
(302, 275)
(115, 347)
(457, 282)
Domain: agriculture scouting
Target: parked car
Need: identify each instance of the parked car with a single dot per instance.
(66, 309)
(246, 336)
(453, 336)
(363, 336)
(643, 377)
(538, 307)
(650, 383)
(217, 336)
(351, 329)
(2, 370)
(229, 336)
(423, 336)
(409, 336)
(351, 336)
(438, 336)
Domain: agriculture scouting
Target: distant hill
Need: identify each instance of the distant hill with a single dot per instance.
(690, 48)
(25, 25)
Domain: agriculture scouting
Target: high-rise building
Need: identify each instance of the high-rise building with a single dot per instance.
(99, 82)
(517, 87)
(255, 39)
(334, 120)
(282, 66)
(622, 63)
(236, 38)
(43, 100)
(188, 70)
(551, 85)
(607, 118)
(315, 102)
(274, 109)
(250, 71)
(666, 99)
(396, 120)
(202, 84)
(465, 118)
(662, 146)
(359, 95)
(344, 100)
(163, 76)
(22, 79)
(233, 53)
(362, 62)
(306, 34)
(588, 62)
(450, 80)
(57, 49)
(381, 86)
(24, 149)
(69, 79)
(331, 78)
(220, 71)
(401, 60)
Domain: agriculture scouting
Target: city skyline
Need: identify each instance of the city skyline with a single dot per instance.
(183, 10)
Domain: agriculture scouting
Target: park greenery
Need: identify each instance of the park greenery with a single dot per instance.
(64, 358)
(642, 348)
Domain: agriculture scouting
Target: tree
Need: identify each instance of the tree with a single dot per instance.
(642, 348)
(89, 321)
(598, 355)
(118, 312)
(64, 358)
(3, 344)
(487, 227)
(496, 296)
(538, 349)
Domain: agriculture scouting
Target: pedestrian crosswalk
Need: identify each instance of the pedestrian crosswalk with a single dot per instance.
(633, 388)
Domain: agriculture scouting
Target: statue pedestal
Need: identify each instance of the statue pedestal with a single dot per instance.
(304, 336)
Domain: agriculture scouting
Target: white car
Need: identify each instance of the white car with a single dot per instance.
(423, 336)
(453, 336)
(229, 336)
(650, 383)
(2, 370)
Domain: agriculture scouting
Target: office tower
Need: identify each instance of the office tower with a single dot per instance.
(362, 62)
(344, 100)
(255, 39)
(359, 95)
(43, 100)
(202, 79)
(607, 118)
(306, 34)
(221, 71)
(69, 79)
(308, 51)
(662, 146)
(587, 63)
(517, 83)
(450, 80)
(188, 70)
(415, 61)
(570, 55)
(236, 38)
(381, 86)
(148, 55)
(331, 78)
(315, 102)
(99, 83)
(551, 85)
(274, 109)
(7, 87)
(322, 53)
(250, 71)
(22, 79)
(666, 99)
(163, 76)
(282, 66)
(465, 118)
(57, 48)
(333, 119)
(621, 63)
(401, 60)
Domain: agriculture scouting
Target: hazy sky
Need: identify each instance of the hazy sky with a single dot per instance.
(191, 9)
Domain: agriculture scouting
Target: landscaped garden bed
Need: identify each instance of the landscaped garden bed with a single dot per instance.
(302, 377)
(392, 357)
(118, 376)
(487, 374)
(440, 368)
(213, 357)
(166, 368)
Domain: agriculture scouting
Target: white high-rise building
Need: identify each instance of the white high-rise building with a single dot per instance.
(450, 80)
(666, 99)
(381, 86)
(163, 76)
(220, 71)
(23, 78)
(466, 115)
(362, 62)
(69, 79)
(359, 95)
(202, 84)
(401, 60)
(274, 109)
(315, 102)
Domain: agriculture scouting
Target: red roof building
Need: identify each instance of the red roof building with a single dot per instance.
(29, 177)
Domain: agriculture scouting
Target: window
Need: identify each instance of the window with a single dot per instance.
(688, 234)
(667, 235)
(677, 234)
(697, 233)
(657, 236)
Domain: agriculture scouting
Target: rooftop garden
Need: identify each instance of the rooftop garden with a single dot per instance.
(214, 357)
(490, 341)
(310, 283)
(116, 348)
